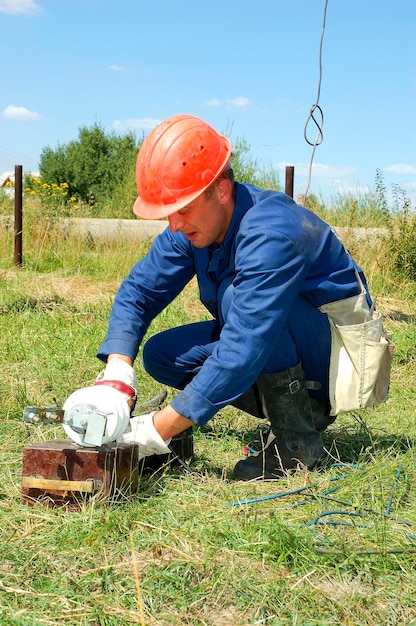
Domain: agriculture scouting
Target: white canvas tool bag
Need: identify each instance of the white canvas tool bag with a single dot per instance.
(361, 354)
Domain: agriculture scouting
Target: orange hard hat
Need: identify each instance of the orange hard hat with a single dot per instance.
(176, 163)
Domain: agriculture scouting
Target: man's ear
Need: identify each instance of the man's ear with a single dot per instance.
(224, 190)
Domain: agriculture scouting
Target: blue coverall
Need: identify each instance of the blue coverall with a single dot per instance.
(262, 285)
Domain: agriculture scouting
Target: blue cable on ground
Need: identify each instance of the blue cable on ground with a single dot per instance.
(318, 519)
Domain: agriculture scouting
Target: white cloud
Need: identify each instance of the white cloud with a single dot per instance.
(136, 124)
(400, 169)
(18, 7)
(117, 68)
(12, 112)
(329, 181)
(319, 170)
(214, 102)
(347, 189)
(238, 103)
(331, 171)
(325, 181)
(232, 103)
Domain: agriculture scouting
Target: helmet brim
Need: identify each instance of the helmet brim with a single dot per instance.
(153, 211)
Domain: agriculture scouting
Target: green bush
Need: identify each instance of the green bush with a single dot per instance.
(93, 166)
(400, 242)
(401, 245)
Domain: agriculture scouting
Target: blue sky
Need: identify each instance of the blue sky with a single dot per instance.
(248, 67)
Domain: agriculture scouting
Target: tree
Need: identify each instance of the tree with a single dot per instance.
(93, 166)
(248, 170)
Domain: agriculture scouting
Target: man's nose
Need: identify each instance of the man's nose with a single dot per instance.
(175, 222)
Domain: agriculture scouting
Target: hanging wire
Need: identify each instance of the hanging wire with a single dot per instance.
(315, 108)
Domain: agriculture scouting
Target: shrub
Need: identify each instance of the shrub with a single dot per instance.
(93, 166)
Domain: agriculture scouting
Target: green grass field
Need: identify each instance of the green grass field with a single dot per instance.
(336, 545)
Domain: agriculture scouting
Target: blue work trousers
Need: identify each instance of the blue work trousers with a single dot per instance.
(173, 357)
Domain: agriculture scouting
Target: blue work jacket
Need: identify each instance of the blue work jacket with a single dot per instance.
(273, 252)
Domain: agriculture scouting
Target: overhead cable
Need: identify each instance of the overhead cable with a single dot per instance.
(316, 109)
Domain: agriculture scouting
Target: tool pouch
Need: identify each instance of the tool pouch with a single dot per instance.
(361, 354)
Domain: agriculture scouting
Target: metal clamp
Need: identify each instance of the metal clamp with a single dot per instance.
(87, 420)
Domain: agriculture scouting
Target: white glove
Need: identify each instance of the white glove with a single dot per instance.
(143, 432)
(121, 376)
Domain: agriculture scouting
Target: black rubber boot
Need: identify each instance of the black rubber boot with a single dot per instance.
(294, 439)
(320, 414)
(250, 402)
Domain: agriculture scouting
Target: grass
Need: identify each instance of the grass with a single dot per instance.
(330, 546)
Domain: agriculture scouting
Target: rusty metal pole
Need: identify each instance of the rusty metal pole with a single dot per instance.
(290, 175)
(18, 214)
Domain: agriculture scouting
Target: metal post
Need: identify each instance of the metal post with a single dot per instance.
(18, 214)
(290, 175)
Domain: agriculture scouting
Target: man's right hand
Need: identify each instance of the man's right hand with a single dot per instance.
(120, 375)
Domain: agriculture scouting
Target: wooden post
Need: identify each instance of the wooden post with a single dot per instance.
(18, 214)
(290, 175)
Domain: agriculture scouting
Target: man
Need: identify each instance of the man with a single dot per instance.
(264, 266)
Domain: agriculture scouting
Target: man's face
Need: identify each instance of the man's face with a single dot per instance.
(205, 220)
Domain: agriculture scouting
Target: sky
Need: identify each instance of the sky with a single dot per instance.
(250, 68)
